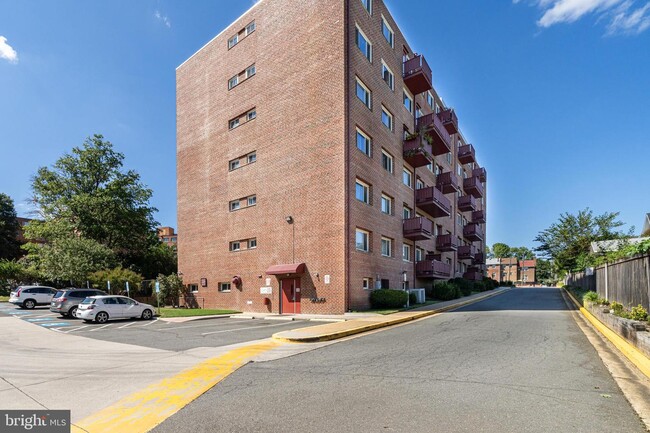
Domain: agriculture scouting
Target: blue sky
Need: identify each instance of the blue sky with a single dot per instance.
(553, 94)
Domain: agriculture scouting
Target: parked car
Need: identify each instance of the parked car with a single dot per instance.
(104, 308)
(31, 296)
(66, 301)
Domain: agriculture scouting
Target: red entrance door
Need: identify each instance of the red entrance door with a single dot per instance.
(290, 296)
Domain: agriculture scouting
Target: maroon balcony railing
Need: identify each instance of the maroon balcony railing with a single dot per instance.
(418, 229)
(431, 256)
(466, 203)
(479, 259)
(446, 243)
(473, 275)
(448, 183)
(449, 120)
(432, 127)
(466, 252)
(466, 154)
(417, 151)
(472, 185)
(417, 75)
(481, 173)
(433, 201)
(478, 216)
(432, 269)
(472, 232)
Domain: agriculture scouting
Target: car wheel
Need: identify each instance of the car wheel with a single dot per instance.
(29, 304)
(147, 315)
(72, 312)
(101, 317)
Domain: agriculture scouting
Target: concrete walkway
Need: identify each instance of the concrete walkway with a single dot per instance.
(333, 331)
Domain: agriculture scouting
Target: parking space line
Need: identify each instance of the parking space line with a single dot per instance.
(101, 327)
(197, 326)
(249, 327)
(75, 329)
(128, 324)
(150, 323)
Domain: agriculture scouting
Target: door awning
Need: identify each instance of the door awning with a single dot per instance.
(295, 268)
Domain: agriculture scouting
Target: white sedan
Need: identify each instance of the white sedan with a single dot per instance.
(104, 308)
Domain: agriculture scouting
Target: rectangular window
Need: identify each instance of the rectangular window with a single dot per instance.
(387, 75)
(407, 178)
(234, 164)
(235, 246)
(406, 212)
(419, 254)
(363, 93)
(362, 240)
(430, 167)
(250, 71)
(408, 101)
(406, 252)
(449, 157)
(419, 184)
(250, 28)
(386, 161)
(430, 99)
(386, 204)
(387, 32)
(233, 82)
(386, 247)
(193, 287)
(386, 118)
(367, 5)
(242, 119)
(252, 157)
(233, 124)
(364, 44)
(251, 115)
(252, 200)
(364, 142)
(367, 284)
(233, 41)
(235, 205)
(362, 192)
(252, 243)
(224, 287)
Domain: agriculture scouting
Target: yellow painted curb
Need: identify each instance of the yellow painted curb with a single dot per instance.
(144, 410)
(328, 336)
(632, 353)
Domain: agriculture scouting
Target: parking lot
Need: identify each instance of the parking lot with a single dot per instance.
(158, 333)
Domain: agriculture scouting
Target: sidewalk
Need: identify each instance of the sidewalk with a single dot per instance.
(333, 331)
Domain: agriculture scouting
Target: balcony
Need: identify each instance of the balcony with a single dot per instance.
(433, 201)
(418, 229)
(466, 154)
(431, 256)
(472, 232)
(446, 243)
(417, 75)
(448, 183)
(431, 126)
(466, 203)
(417, 151)
(449, 120)
(472, 185)
(479, 259)
(466, 252)
(473, 275)
(432, 269)
(478, 217)
(480, 173)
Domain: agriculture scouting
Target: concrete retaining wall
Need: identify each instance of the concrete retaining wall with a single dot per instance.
(636, 333)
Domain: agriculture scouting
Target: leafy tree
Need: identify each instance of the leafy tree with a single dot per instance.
(521, 253)
(9, 245)
(118, 278)
(501, 250)
(545, 272)
(159, 259)
(171, 288)
(488, 252)
(14, 273)
(568, 241)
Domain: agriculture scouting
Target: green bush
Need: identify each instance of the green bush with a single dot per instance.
(490, 284)
(638, 313)
(602, 301)
(617, 308)
(466, 287)
(413, 299)
(386, 298)
(446, 291)
(590, 297)
(118, 278)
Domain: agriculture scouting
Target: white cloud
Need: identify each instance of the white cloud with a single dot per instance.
(568, 11)
(163, 18)
(625, 21)
(7, 52)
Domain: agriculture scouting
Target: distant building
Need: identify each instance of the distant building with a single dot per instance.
(168, 236)
(22, 222)
(520, 272)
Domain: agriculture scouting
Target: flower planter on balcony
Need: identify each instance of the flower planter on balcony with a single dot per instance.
(417, 151)
(431, 126)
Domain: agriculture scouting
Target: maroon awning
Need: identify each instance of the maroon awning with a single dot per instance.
(295, 268)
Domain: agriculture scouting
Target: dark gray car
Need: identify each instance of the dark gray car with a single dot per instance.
(66, 301)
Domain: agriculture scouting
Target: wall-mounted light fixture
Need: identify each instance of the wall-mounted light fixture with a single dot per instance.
(289, 219)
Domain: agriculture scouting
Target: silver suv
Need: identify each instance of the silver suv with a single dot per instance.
(66, 301)
(31, 296)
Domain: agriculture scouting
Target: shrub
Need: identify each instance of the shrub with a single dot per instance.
(480, 286)
(590, 297)
(638, 313)
(490, 284)
(118, 278)
(617, 308)
(413, 299)
(602, 301)
(446, 291)
(466, 287)
(386, 298)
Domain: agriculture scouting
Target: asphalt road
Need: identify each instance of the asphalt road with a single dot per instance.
(159, 334)
(513, 363)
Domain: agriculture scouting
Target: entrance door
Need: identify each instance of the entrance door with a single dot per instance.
(291, 296)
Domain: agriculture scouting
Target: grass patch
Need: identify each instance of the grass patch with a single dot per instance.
(4, 298)
(192, 312)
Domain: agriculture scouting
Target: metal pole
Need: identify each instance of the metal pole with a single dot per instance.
(606, 281)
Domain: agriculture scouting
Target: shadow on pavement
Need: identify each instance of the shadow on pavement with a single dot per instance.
(524, 299)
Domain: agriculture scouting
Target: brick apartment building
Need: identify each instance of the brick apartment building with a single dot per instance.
(316, 163)
(520, 272)
(168, 236)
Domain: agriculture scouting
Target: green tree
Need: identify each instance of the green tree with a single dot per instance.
(118, 278)
(171, 288)
(545, 272)
(568, 241)
(14, 273)
(500, 250)
(521, 253)
(488, 252)
(159, 259)
(9, 245)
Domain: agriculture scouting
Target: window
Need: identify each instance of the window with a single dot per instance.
(233, 41)
(364, 44)
(408, 101)
(251, 158)
(367, 284)
(234, 164)
(224, 287)
(363, 93)
(386, 204)
(407, 178)
(419, 254)
(252, 243)
(459, 219)
(430, 99)
(250, 28)
(362, 240)
(364, 142)
(251, 115)
(387, 75)
(193, 287)
(418, 111)
(449, 157)
(406, 212)
(362, 192)
(386, 161)
(406, 252)
(387, 32)
(459, 170)
(235, 246)
(233, 82)
(367, 5)
(386, 118)
(252, 200)
(242, 118)
(386, 247)
(430, 167)
(241, 77)
(419, 184)
(234, 205)
(233, 124)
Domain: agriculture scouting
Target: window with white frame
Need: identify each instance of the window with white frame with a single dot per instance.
(234, 164)
(235, 246)
(430, 167)
(419, 254)
(233, 82)
(388, 32)
(250, 28)
(252, 200)
(233, 123)
(233, 41)
(430, 99)
(252, 243)
(418, 111)
(251, 115)
(406, 212)
(367, 5)
(419, 184)
(251, 157)
(387, 161)
(362, 240)
(364, 44)
(386, 204)
(367, 284)
(449, 157)
(250, 71)
(406, 252)
(363, 93)
(407, 178)
(362, 191)
(408, 101)
(364, 142)
(387, 118)
(386, 247)
(193, 287)
(387, 75)
(224, 287)
(235, 205)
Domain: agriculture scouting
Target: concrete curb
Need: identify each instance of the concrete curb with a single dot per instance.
(194, 318)
(634, 355)
(358, 326)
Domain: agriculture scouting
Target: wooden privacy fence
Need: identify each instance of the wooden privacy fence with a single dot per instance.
(626, 281)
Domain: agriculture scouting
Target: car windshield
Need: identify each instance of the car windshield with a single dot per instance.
(88, 301)
(59, 294)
